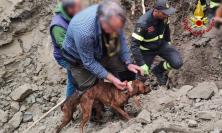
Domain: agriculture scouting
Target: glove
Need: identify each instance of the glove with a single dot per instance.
(145, 69)
(170, 43)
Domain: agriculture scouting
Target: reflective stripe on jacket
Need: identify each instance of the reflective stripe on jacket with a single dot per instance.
(215, 3)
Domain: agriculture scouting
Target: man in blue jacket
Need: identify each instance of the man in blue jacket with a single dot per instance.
(96, 41)
(65, 10)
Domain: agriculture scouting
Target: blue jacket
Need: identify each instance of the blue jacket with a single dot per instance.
(83, 42)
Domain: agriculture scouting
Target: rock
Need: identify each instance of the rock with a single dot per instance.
(192, 123)
(203, 90)
(134, 128)
(27, 62)
(27, 117)
(184, 89)
(220, 92)
(218, 124)
(23, 108)
(3, 116)
(207, 115)
(21, 92)
(216, 131)
(111, 128)
(15, 106)
(16, 120)
(201, 42)
(144, 117)
(31, 99)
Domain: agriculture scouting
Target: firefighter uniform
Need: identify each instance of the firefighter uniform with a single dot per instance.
(151, 38)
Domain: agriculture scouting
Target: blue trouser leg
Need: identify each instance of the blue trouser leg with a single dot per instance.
(70, 86)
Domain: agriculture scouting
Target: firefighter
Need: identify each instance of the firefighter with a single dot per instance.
(151, 38)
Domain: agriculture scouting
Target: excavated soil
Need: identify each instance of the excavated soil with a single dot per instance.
(192, 103)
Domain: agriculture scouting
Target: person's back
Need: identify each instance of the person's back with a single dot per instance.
(83, 24)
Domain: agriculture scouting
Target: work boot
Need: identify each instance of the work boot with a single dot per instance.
(159, 72)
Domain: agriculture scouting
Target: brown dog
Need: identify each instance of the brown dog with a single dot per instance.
(105, 93)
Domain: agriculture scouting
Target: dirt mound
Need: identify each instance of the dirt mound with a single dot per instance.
(31, 82)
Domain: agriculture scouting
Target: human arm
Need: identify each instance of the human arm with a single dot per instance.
(59, 34)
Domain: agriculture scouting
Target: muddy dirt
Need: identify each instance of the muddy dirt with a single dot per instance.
(29, 74)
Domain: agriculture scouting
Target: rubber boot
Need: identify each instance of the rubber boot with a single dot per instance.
(159, 72)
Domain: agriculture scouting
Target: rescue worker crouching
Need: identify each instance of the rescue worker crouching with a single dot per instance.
(151, 38)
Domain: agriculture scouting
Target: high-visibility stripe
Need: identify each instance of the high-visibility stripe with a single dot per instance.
(143, 48)
(153, 39)
(167, 66)
(204, 7)
(214, 4)
(138, 37)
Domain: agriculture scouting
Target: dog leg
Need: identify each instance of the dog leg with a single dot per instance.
(66, 119)
(122, 112)
(98, 107)
(86, 106)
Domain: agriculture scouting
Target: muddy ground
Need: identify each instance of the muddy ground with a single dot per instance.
(31, 82)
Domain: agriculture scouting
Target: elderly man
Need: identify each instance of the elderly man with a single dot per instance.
(96, 43)
(151, 38)
(64, 13)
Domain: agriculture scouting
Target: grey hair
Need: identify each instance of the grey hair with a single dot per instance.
(68, 3)
(109, 8)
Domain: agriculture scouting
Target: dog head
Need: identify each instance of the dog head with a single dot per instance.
(138, 87)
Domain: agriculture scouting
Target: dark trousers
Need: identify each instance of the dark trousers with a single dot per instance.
(84, 79)
(167, 52)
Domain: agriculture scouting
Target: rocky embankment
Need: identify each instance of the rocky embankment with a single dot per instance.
(31, 83)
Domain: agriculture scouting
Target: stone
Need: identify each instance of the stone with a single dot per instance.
(16, 120)
(220, 92)
(134, 128)
(218, 124)
(21, 92)
(216, 131)
(144, 117)
(192, 123)
(31, 99)
(27, 117)
(3, 116)
(203, 90)
(15, 106)
(12, 50)
(27, 62)
(111, 128)
(184, 89)
(207, 115)
(23, 108)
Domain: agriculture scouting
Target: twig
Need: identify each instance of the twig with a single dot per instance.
(26, 131)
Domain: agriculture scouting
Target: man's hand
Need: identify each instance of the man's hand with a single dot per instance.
(145, 68)
(135, 69)
(120, 85)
